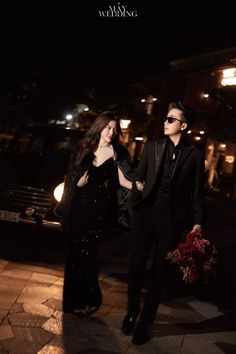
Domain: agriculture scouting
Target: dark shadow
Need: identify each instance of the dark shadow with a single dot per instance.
(87, 336)
(226, 347)
(225, 322)
(27, 244)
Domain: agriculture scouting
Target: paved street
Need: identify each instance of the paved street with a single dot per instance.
(190, 320)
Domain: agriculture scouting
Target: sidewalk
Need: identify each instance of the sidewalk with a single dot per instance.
(31, 320)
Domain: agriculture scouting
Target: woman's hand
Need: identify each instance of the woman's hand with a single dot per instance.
(83, 180)
(139, 186)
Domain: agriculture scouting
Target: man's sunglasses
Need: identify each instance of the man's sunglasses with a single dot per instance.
(171, 120)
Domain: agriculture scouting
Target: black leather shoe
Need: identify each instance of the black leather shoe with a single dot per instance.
(129, 323)
(140, 335)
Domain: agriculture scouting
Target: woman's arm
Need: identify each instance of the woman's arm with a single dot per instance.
(124, 182)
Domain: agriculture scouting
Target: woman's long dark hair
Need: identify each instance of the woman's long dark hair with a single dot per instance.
(90, 142)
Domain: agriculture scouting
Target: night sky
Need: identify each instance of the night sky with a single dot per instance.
(70, 49)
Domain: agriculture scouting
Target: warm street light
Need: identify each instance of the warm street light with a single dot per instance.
(124, 123)
(229, 77)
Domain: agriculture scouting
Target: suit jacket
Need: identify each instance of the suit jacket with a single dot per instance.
(186, 192)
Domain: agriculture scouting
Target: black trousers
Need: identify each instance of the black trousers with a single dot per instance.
(152, 229)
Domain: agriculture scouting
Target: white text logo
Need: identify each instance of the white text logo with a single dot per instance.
(118, 11)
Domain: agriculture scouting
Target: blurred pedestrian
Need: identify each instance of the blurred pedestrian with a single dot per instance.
(89, 204)
(172, 203)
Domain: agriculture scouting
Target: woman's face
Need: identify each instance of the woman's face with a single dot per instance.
(109, 132)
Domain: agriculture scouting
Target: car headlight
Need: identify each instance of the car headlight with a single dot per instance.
(58, 191)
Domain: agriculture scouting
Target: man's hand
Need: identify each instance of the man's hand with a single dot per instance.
(197, 229)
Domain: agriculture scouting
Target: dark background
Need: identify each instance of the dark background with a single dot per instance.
(68, 48)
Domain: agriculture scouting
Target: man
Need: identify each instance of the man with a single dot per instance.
(171, 203)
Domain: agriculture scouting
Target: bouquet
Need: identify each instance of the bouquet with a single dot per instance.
(195, 258)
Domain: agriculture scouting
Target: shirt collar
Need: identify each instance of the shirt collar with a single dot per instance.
(172, 146)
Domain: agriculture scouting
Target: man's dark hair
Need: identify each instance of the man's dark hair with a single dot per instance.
(188, 113)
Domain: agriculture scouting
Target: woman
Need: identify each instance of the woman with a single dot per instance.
(89, 203)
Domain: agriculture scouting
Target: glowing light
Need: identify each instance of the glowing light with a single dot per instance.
(229, 81)
(124, 123)
(229, 77)
(229, 159)
(58, 191)
(229, 72)
(205, 95)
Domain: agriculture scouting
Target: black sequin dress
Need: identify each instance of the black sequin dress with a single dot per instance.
(93, 207)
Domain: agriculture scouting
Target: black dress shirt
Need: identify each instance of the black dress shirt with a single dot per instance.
(168, 165)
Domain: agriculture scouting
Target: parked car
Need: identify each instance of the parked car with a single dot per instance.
(31, 167)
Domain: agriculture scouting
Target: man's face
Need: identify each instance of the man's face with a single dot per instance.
(176, 124)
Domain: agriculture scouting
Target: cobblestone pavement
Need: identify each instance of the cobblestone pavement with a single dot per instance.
(31, 318)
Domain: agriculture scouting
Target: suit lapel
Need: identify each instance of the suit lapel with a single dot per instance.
(183, 154)
(159, 153)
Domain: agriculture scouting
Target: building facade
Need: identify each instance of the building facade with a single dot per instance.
(208, 84)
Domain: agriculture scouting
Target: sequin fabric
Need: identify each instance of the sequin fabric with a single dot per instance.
(93, 207)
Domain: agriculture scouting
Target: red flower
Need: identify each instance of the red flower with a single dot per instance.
(195, 258)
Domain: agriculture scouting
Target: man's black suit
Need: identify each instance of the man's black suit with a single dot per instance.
(160, 221)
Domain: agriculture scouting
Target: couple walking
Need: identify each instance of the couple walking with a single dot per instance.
(167, 200)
